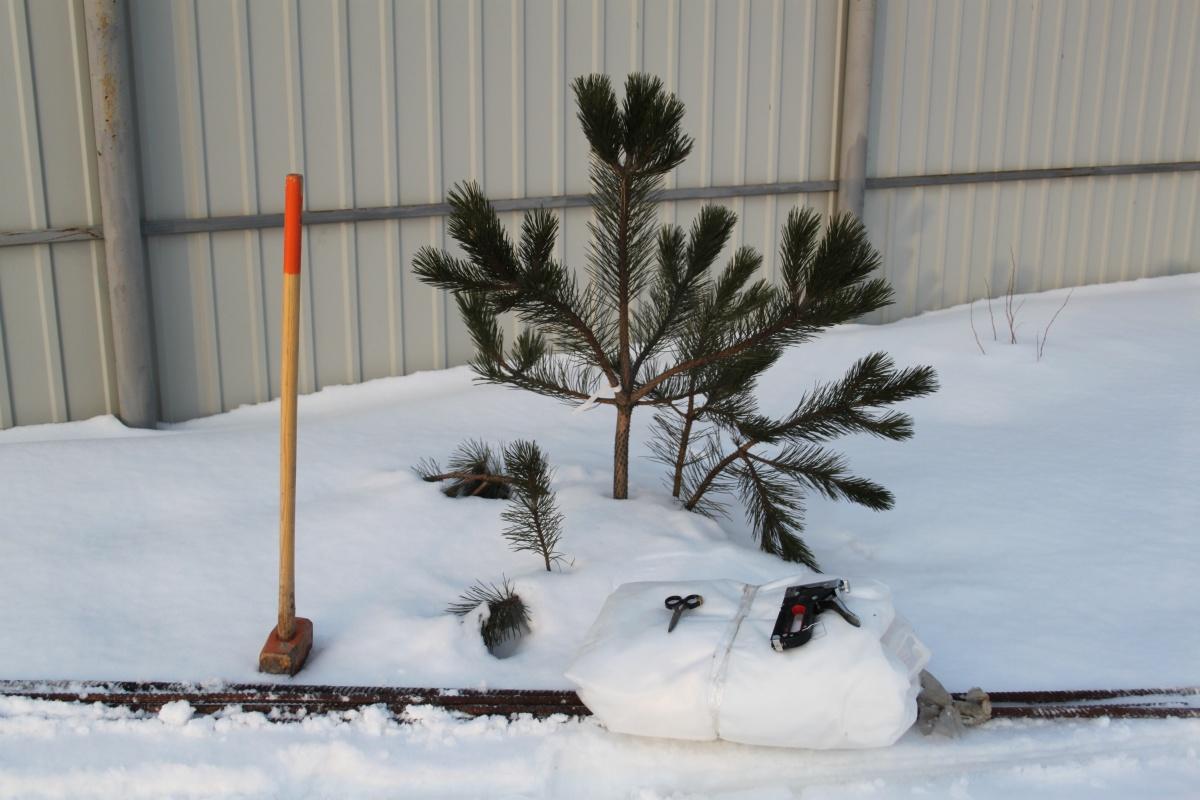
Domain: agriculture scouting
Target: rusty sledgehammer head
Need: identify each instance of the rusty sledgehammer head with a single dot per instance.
(286, 656)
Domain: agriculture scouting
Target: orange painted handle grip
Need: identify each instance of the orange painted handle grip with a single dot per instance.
(293, 204)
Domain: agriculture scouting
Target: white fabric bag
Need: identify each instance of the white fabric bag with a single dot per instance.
(717, 677)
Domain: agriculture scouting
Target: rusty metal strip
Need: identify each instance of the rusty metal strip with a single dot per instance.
(1079, 695)
(1094, 712)
(292, 701)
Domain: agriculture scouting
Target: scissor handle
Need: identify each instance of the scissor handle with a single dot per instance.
(691, 601)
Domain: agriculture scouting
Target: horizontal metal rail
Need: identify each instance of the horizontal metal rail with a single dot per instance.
(1049, 173)
(170, 227)
(51, 236)
(290, 701)
(242, 222)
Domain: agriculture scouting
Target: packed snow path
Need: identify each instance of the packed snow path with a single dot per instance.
(1043, 538)
(56, 750)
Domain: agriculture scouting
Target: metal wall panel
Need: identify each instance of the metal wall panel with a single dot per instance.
(55, 343)
(1015, 84)
(381, 103)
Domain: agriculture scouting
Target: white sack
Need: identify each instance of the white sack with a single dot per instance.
(717, 677)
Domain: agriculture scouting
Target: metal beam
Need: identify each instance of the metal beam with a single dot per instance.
(107, 27)
(50, 236)
(1003, 176)
(167, 227)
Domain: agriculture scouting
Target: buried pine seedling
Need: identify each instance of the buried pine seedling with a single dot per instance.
(506, 618)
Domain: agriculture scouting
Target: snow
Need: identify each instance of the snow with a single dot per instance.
(1043, 538)
(52, 750)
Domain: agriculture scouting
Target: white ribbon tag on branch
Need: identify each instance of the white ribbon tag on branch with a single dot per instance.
(604, 390)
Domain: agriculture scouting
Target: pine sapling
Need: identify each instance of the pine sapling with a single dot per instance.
(534, 521)
(507, 615)
(632, 325)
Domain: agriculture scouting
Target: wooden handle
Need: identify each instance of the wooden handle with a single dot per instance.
(294, 202)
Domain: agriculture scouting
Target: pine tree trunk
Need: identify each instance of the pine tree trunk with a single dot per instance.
(621, 453)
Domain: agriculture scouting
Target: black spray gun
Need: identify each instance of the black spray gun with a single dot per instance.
(801, 607)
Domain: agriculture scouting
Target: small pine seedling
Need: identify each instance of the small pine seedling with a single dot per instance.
(508, 616)
(473, 471)
(534, 521)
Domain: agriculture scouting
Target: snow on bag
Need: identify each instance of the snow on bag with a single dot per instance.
(716, 675)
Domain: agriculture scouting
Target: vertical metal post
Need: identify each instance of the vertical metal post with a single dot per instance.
(107, 30)
(856, 105)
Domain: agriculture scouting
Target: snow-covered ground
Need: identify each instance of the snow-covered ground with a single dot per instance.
(1043, 538)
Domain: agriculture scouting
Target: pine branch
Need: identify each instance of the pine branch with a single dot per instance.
(825, 285)
(535, 523)
(530, 365)
(776, 511)
(677, 291)
(844, 407)
(473, 469)
(526, 281)
(827, 474)
(769, 485)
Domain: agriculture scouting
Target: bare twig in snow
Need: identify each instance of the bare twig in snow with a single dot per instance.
(1041, 341)
(988, 288)
(977, 344)
(1009, 312)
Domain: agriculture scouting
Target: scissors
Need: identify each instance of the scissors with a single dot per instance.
(679, 605)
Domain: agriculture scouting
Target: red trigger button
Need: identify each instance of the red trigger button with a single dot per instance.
(798, 610)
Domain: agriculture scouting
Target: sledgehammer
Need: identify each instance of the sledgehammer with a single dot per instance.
(289, 642)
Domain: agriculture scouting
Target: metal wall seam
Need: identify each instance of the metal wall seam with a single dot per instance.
(260, 359)
(390, 163)
(104, 354)
(196, 177)
(347, 194)
(437, 171)
(38, 213)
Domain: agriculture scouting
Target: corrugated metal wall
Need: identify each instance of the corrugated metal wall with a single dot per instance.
(55, 343)
(381, 103)
(979, 86)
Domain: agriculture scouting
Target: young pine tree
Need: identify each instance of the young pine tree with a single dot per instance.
(650, 320)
